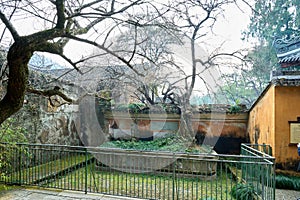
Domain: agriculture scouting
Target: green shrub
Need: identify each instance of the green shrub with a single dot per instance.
(140, 108)
(287, 182)
(170, 143)
(10, 133)
(131, 108)
(235, 109)
(244, 191)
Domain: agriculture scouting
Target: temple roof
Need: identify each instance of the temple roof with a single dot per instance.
(288, 51)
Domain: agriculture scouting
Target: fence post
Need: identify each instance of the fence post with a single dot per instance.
(274, 179)
(86, 171)
(270, 151)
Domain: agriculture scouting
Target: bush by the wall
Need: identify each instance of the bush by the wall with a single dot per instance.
(12, 134)
(287, 182)
(170, 143)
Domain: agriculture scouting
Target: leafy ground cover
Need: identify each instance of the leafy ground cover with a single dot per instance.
(286, 179)
(170, 143)
(245, 191)
(287, 182)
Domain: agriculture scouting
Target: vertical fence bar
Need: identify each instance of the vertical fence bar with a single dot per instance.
(173, 176)
(273, 180)
(20, 165)
(86, 171)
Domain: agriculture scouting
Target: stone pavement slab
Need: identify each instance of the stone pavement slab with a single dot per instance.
(51, 194)
(37, 194)
(287, 194)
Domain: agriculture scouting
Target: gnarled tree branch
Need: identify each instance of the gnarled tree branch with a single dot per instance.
(50, 93)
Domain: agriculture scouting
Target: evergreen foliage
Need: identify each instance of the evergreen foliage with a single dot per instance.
(10, 133)
(270, 20)
(169, 143)
(244, 191)
(287, 182)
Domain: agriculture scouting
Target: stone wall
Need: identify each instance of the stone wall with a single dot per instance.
(50, 123)
(48, 127)
(58, 128)
(224, 131)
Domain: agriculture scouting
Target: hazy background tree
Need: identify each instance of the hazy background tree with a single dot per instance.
(270, 20)
(249, 78)
(195, 20)
(153, 59)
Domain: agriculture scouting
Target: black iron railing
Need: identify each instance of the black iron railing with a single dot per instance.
(147, 175)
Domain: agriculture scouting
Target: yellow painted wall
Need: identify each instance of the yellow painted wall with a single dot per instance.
(269, 122)
(261, 120)
(287, 108)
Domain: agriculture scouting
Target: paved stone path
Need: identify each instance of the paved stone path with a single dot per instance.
(36, 194)
(287, 195)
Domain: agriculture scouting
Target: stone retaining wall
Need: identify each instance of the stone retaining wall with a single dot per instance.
(222, 130)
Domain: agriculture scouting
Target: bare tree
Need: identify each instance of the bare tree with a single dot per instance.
(154, 60)
(3, 73)
(192, 21)
(148, 42)
(55, 23)
(96, 23)
(195, 19)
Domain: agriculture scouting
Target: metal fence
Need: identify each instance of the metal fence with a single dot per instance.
(147, 175)
(261, 148)
(261, 175)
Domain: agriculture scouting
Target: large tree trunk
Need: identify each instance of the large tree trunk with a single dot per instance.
(18, 57)
(186, 124)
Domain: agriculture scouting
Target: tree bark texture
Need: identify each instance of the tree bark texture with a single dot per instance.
(18, 58)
